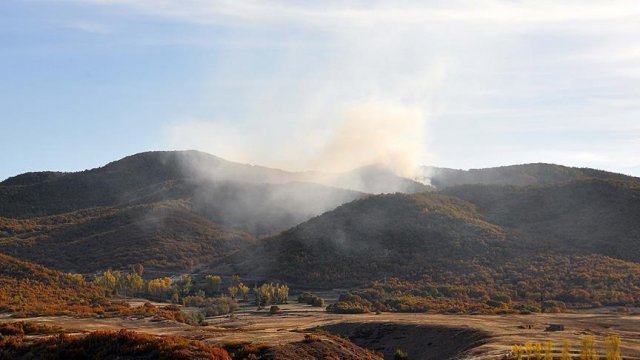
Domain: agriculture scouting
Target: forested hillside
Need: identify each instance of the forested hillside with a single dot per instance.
(383, 235)
(556, 246)
(167, 210)
(159, 235)
(580, 217)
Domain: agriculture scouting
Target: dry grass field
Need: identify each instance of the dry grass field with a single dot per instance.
(422, 336)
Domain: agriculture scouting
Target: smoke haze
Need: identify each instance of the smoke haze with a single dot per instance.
(367, 133)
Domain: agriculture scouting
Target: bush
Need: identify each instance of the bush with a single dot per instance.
(305, 298)
(399, 354)
(213, 306)
(309, 338)
(274, 309)
(311, 299)
(344, 307)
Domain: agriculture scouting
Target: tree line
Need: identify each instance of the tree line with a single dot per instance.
(209, 294)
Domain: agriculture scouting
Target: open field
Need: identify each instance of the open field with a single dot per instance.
(423, 336)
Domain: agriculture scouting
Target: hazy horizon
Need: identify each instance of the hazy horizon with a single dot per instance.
(329, 87)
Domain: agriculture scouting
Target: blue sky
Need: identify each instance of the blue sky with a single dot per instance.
(330, 86)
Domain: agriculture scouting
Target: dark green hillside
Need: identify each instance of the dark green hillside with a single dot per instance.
(385, 235)
(159, 235)
(591, 216)
(572, 244)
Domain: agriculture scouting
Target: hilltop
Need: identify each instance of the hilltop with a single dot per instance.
(517, 175)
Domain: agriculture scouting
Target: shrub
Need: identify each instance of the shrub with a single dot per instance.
(309, 338)
(213, 306)
(399, 354)
(344, 307)
(311, 299)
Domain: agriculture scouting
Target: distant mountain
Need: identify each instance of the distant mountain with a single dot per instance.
(518, 175)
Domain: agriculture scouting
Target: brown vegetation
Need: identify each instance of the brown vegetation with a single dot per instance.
(107, 345)
(28, 289)
(545, 283)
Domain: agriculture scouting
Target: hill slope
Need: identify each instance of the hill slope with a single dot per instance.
(159, 235)
(580, 217)
(384, 235)
(29, 289)
(164, 209)
(516, 243)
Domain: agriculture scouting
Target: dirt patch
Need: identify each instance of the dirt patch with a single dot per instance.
(421, 342)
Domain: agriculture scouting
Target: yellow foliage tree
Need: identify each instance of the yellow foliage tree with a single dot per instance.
(244, 290)
(517, 351)
(612, 344)
(233, 291)
(107, 280)
(159, 287)
(566, 350)
(528, 348)
(548, 354)
(588, 348)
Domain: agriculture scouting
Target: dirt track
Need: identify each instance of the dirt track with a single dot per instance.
(424, 336)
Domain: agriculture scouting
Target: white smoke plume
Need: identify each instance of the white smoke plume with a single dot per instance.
(384, 133)
(365, 133)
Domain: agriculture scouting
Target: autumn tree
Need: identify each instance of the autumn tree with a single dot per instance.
(566, 350)
(184, 285)
(159, 287)
(612, 344)
(134, 282)
(548, 354)
(213, 284)
(588, 348)
(120, 285)
(244, 290)
(107, 280)
(268, 294)
(281, 294)
(233, 291)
